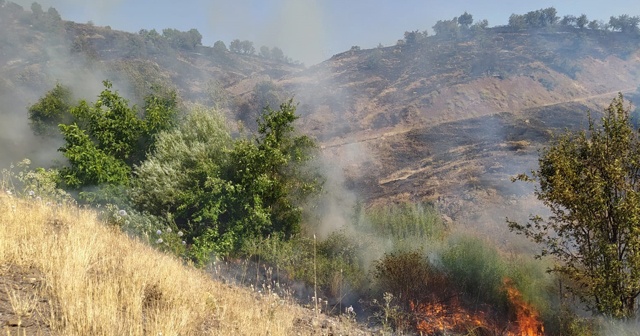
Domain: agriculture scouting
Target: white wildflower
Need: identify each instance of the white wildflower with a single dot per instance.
(168, 230)
(32, 193)
(159, 241)
(159, 232)
(122, 213)
(184, 242)
(180, 233)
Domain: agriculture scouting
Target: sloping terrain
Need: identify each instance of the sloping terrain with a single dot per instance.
(452, 120)
(437, 118)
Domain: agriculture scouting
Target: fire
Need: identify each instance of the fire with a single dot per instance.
(440, 317)
(527, 318)
(437, 318)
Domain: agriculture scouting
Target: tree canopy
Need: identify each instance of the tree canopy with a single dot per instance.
(590, 181)
(103, 140)
(222, 191)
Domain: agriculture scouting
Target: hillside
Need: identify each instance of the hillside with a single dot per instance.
(452, 119)
(418, 143)
(434, 118)
(64, 272)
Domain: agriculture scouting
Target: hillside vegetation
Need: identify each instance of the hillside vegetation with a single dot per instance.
(65, 273)
(378, 195)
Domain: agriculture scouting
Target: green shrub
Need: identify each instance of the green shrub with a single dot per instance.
(476, 268)
(408, 225)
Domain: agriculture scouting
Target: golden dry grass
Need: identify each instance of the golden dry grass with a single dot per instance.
(100, 282)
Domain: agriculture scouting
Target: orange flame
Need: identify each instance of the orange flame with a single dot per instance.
(451, 317)
(527, 318)
(436, 318)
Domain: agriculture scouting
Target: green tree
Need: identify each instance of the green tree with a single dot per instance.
(265, 52)
(36, 9)
(246, 47)
(277, 54)
(517, 21)
(447, 28)
(193, 38)
(53, 14)
(582, 21)
(106, 138)
(625, 23)
(219, 47)
(480, 25)
(411, 37)
(51, 109)
(235, 46)
(223, 192)
(172, 179)
(568, 20)
(590, 181)
(465, 20)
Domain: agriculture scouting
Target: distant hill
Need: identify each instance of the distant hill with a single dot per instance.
(454, 118)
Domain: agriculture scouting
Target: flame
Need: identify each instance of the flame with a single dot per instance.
(440, 317)
(527, 318)
(437, 318)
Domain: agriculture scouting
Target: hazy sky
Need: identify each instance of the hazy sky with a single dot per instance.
(312, 30)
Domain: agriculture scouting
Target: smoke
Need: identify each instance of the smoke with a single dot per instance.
(287, 24)
(32, 64)
(93, 9)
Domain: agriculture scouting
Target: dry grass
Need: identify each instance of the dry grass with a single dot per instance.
(100, 282)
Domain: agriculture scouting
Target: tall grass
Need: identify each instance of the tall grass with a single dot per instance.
(101, 282)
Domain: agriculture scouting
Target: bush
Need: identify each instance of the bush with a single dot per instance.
(409, 277)
(476, 269)
(407, 225)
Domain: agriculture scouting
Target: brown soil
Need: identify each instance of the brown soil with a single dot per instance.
(23, 308)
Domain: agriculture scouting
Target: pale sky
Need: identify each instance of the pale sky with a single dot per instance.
(312, 30)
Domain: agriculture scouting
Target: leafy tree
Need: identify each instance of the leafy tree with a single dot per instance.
(625, 23)
(193, 39)
(36, 9)
(89, 164)
(447, 28)
(105, 139)
(286, 151)
(246, 47)
(594, 25)
(582, 21)
(517, 21)
(465, 20)
(550, 16)
(222, 192)
(265, 52)
(184, 159)
(568, 20)
(53, 14)
(277, 54)
(188, 40)
(411, 37)
(590, 181)
(51, 109)
(219, 47)
(235, 46)
(480, 25)
(265, 93)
